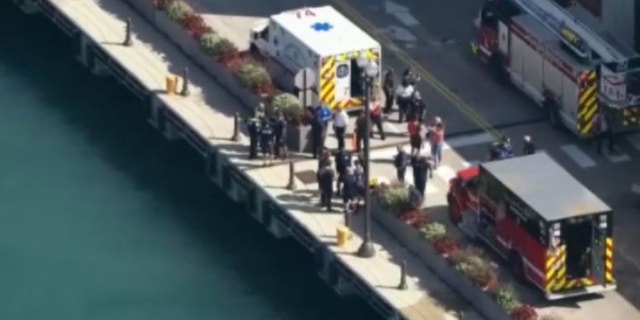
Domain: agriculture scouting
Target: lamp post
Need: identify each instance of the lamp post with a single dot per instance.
(369, 72)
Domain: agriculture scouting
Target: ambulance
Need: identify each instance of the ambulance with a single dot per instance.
(323, 40)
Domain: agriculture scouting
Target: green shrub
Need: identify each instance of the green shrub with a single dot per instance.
(253, 75)
(433, 231)
(224, 47)
(507, 297)
(288, 104)
(209, 41)
(475, 269)
(178, 10)
(396, 199)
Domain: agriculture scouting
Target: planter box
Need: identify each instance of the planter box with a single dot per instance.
(412, 240)
(145, 7)
(191, 48)
(298, 139)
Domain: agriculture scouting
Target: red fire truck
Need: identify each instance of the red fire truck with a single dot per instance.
(552, 230)
(561, 59)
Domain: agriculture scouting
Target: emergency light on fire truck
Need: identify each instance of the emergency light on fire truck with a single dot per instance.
(563, 60)
(323, 40)
(554, 232)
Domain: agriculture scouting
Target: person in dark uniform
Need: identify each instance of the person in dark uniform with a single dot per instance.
(324, 159)
(418, 108)
(376, 120)
(325, 182)
(253, 126)
(266, 142)
(401, 161)
(349, 190)
(388, 87)
(279, 129)
(422, 170)
(529, 147)
(318, 128)
(410, 77)
(360, 130)
(343, 161)
(361, 162)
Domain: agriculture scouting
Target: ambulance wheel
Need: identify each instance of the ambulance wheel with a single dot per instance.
(517, 265)
(454, 210)
(497, 70)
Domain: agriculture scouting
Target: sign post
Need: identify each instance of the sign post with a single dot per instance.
(304, 81)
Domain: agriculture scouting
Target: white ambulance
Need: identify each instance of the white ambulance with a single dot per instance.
(323, 40)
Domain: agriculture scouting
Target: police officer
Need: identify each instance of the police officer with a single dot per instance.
(253, 126)
(349, 190)
(529, 147)
(422, 170)
(266, 141)
(324, 159)
(318, 129)
(401, 161)
(343, 161)
(279, 129)
(325, 182)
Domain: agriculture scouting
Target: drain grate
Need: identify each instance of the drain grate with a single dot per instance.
(307, 176)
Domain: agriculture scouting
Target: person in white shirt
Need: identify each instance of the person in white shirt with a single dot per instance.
(340, 123)
(405, 92)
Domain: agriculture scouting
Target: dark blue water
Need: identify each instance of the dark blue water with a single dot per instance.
(100, 218)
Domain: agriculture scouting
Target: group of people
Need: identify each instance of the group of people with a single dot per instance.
(502, 149)
(346, 180)
(268, 134)
(406, 96)
(423, 167)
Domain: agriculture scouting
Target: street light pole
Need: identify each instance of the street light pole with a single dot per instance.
(366, 249)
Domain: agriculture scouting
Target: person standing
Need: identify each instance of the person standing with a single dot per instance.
(266, 142)
(405, 91)
(603, 131)
(360, 130)
(253, 126)
(415, 136)
(437, 141)
(349, 190)
(418, 107)
(318, 129)
(401, 161)
(342, 161)
(340, 123)
(528, 148)
(279, 131)
(388, 86)
(422, 171)
(376, 119)
(325, 182)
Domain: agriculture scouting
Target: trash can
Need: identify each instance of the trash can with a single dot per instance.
(171, 83)
(343, 235)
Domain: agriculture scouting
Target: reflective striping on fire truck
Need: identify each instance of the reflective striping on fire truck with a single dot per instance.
(609, 261)
(327, 81)
(556, 269)
(587, 103)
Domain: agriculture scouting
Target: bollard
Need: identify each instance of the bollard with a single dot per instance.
(185, 82)
(127, 33)
(236, 127)
(403, 276)
(342, 236)
(292, 177)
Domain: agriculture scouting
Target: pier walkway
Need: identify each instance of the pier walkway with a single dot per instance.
(205, 120)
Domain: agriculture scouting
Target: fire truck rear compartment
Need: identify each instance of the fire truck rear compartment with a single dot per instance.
(577, 235)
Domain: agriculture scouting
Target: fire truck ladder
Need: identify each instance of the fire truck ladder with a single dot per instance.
(557, 19)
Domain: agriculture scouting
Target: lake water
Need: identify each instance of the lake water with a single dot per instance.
(100, 218)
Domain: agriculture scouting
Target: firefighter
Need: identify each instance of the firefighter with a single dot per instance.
(376, 119)
(528, 148)
(401, 161)
(279, 130)
(342, 161)
(253, 126)
(422, 170)
(325, 182)
(388, 86)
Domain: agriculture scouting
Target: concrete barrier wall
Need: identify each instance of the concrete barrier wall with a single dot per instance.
(412, 240)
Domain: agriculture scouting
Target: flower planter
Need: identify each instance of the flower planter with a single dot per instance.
(146, 8)
(298, 138)
(191, 48)
(412, 240)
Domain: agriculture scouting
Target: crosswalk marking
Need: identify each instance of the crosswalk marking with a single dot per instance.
(578, 156)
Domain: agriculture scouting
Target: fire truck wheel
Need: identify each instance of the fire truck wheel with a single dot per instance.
(517, 266)
(497, 70)
(454, 210)
(551, 108)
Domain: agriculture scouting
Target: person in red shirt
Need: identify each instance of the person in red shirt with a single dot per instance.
(415, 136)
(436, 135)
(376, 119)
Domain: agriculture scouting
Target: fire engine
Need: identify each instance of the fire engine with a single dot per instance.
(323, 40)
(562, 60)
(552, 231)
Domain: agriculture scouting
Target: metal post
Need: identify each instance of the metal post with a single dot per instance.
(185, 82)
(347, 218)
(403, 276)
(236, 127)
(367, 250)
(292, 177)
(127, 33)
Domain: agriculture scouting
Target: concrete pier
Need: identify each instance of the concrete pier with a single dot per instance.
(204, 120)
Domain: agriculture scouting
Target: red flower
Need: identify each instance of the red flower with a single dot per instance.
(524, 312)
(414, 218)
(446, 245)
(195, 25)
